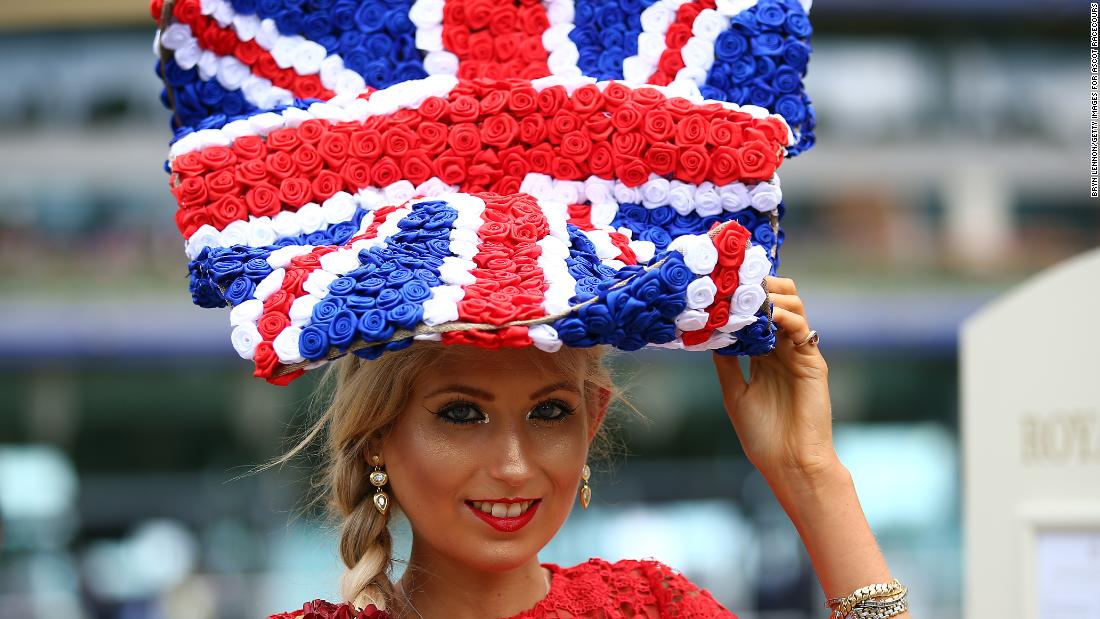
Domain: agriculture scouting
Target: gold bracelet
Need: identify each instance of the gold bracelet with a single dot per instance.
(873, 601)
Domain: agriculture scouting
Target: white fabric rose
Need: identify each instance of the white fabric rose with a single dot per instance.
(269, 284)
(626, 195)
(544, 337)
(747, 299)
(692, 320)
(261, 233)
(708, 25)
(340, 261)
(700, 292)
(245, 337)
(441, 63)
(700, 254)
(205, 236)
(540, 186)
(425, 13)
(655, 192)
(247, 311)
(456, 271)
(755, 265)
(439, 310)
(307, 57)
(235, 233)
(765, 197)
(400, 192)
(318, 282)
(430, 38)
(286, 345)
(301, 310)
(643, 250)
(339, 208)
(310, 217)
(280, 257)
(707, 200)
(735, 197)
(603, 213)
(681, 197)
(597, 189)
(736, 323)
(658, 17)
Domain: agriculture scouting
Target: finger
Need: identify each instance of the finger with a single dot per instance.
(729, 375)
(789, 302)
(782, 285)
(792, 326)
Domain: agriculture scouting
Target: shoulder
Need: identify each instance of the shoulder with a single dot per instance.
(646, 584)
(320, 609)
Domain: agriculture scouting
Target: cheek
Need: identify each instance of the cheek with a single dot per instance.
(427, 469)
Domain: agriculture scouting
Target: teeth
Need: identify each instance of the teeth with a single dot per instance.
(503, 510)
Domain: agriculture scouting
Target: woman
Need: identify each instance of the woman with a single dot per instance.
(463, 434)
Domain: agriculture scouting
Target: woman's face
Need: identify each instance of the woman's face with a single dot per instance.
(484, 425)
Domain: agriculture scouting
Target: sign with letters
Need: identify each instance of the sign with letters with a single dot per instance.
(1030, 427)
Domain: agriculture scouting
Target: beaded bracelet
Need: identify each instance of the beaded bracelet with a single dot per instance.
(871, 602)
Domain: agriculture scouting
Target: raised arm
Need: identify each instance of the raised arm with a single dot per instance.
(783, 418)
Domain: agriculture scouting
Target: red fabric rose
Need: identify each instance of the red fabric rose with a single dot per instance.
(522, 100)
(248, 52)
(325, 184)
(563, 122)
(189, 220)
(366, 144)
(249, 147)
(647, 97)
(514, 164)
(725, 165)
(294, 278)
(551, 99)
(627, 117)
(691, 338)
(691, 131)
(719, 314)
(679, 107)
(724, 133)
(616, 94)
(727, 281)
(499, 130)
(217, 157)
(263, 200)
(451, 169)
(356, 175)
(463, 109)
(756, 159)
(565, 168)
(433, 108)
(540, 158)
(278, 303)
(311, 131)
(227, 209)
(280, 165)
(265, 359)
(307, 261)
(295, 191)
(188, 164)
(506, 185)
(586, 99)
(631, 171)
(308, 160)
(631, 144)
(662, 158)
(598, 126)
(601, 160)
(283, 139)
(385, 172)
(432, 136)
(465, 139)
(576, 145)
(191, 192)
(731, 243)
(334, 147)
(252, 172)
(658, 125)
(679, 33)
(693, 164)
(416, 166)
(283, 381)
(493, 102)
(532, 129)
(396, 141)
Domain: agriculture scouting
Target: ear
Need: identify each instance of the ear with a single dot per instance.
(598, 401)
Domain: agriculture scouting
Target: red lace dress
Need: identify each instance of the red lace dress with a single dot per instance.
(627, 589)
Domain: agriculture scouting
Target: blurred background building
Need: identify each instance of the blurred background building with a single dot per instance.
(951, 163)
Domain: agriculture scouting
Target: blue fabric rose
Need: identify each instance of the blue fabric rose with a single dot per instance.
(374, 326)
(342, 328)
(313, 342)
(240, 290)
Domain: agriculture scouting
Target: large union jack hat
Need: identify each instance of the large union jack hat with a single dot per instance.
(356, 175)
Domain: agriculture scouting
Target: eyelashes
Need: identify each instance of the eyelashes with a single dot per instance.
(464, 412)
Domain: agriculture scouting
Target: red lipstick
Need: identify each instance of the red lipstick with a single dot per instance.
(507, 525)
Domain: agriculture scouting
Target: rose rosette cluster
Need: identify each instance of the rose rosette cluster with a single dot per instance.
(496, 39)
(487, 135)
(762, 59)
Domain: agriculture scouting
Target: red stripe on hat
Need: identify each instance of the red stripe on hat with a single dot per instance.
(679, 32)
(225, 42)
(495, 39)
(510, 283)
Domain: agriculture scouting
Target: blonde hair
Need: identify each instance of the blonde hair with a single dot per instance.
(367, 397)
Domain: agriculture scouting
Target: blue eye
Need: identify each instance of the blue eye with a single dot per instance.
(550, 406)
(460, 412)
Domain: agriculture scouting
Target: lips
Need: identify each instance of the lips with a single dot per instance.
(506, 524)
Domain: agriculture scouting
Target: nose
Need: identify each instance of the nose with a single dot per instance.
(511, 459)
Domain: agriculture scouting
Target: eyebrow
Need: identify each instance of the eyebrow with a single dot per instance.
(485, 395)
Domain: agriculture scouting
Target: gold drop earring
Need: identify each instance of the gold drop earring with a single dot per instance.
(379, 478)
(586, 490)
